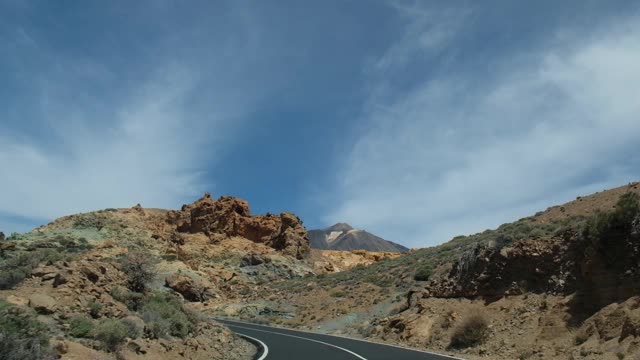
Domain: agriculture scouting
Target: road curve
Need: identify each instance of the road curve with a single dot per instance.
(285, 344)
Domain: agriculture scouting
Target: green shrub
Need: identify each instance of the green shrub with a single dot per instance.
(338, 293)
(21, 335)
(94, 309)
(132, 300)
(166, 316)
(133, 330)
(423, 273)
(81, 327)
(471, 332)
(111, 333)
(606, 232)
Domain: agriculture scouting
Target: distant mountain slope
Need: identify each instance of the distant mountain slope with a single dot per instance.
(342, 236)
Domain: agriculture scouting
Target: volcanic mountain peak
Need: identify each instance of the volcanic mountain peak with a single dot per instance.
(343, 236)
(339, 227)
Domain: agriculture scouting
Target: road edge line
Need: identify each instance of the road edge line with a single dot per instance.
(263, 349)
(341, 336)
(307, 339)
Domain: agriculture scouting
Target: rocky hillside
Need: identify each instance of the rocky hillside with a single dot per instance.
(133, 283)
(342, 236)
(562, 284)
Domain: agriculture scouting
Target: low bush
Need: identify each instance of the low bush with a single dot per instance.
(471, 332)
(111, 333)
(165, 315)
(132, 300)
(94, 309)
(607, 233)
(133, 330)
(22, 337)
(423, 273)
(81, 327)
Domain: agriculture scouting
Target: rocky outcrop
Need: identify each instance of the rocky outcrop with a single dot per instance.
(527, 266)
(231, 216)
(192, 288)
(2, 237)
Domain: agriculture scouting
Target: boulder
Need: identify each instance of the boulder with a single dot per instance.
(42, 304)
(192, 288)
(60, 279)
(253, 260)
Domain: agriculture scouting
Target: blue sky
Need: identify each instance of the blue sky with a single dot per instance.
(415, 120)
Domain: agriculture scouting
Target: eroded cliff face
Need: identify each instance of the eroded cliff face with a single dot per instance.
(230, 216)
(599, 273)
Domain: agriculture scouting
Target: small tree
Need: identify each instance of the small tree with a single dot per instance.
(140, 269)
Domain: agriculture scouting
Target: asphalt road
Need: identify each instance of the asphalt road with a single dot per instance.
(285, 344)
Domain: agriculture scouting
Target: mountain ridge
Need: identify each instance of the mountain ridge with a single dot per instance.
(342, 236)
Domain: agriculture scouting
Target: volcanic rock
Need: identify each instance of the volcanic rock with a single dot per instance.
(43, 304)
(231, 216)
(192, 288)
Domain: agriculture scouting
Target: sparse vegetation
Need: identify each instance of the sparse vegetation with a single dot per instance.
(21, 335)
(471, 332)
(606, 232)
(423, 273)
(140, 269)
(94, 309)
(81, 327)
(166, 316)
(111, 333)
(131, 299)
(18, 265)
(133, 330)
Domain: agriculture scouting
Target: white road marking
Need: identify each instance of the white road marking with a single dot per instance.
(339, 336)
(264, 346)
(299, 337)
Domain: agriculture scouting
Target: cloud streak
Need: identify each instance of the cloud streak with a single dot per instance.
(85, 132)
(452, 157)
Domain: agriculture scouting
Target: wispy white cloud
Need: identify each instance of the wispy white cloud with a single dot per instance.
(144, 154)
(450, 157)
(94, 134)
(428, 31)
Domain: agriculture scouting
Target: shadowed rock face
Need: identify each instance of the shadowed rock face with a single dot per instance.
(231, 216)
(599, 275)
